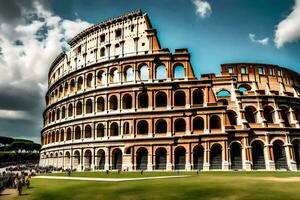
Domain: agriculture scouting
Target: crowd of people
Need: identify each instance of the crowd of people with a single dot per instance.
(15, 180)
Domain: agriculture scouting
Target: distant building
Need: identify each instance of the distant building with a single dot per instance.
(117, 100)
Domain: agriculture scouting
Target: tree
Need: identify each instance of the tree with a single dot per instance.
(6, 140)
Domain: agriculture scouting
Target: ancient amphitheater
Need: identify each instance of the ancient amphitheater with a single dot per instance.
(117, 100)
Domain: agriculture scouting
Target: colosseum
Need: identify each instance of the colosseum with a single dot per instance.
(118, 101)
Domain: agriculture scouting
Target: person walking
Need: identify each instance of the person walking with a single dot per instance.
(19, 187)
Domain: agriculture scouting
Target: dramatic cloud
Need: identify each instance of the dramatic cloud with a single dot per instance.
(203, 8)
(288, 30)
(264, 41)
(31, 36)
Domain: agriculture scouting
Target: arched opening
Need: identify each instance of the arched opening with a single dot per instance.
(144, 72)
(161, 159)
(161, 99)
(180, 158)
(232, 117)
(198, 97)
(72, 86)
(70, 110)
(161, 72)
(268, 114)
(88, 131)
(126, 128)
(53, 116)
(63, 112)
(143, 100)
(179, 72)
(258, 158)
(58, 114)
(198, 155)
(161, 126)
(142, 127)
(67, 160)
(100, 104)
(79, 83)
(216, 157)
(66, 88)
(50, 117)
(117, 159)
(57, 136)
(297, 113)
(87, 159)
(77, 133)
(76, 159)
(223, 101)
(215, 122)
(89, 80)
(53, 137)
(244, 88)
(179, 98)
(129, 75)
(279, 155)
(101, 78)
(100, 130)
(62, 135)
(113, 103)
(69, 134)
(296, 147)
(60, 91)
(88, 106)
(223, 93)
(198, 124)
(127, 101)
(236, 156)
(141, 159)
(284, 112)
(114, 76)
(101, 159)
(102, 52)
(250, 114)
(79, 108)
(114, 129)
(179, 125)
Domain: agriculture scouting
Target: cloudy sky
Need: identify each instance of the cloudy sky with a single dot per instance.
(32, 33)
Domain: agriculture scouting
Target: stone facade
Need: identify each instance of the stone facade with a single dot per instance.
(117, 100)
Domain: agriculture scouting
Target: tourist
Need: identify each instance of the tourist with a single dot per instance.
(19, 187)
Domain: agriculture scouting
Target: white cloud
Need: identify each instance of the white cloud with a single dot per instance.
(15, 114)
(203, 8)
(264, 41)
(288, 30)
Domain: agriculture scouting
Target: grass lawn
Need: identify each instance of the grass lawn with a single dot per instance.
(206, 185)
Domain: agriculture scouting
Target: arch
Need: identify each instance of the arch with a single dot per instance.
(161, 99)
(215, 122)
(161, 72)
(89, 80)
(250, 114)
(279, 155)
(244, 88)
(144, 72)
(179, 98)
(87, 159)
(72, 85)
(63, 112)
(77, 133)
(50, 117)
(66, 88)
(223, 101)
(179, 71)
(67, 159)
(58, 114)
(70, 110)
(268, 114)
(100, 159)
(161, 126)
(101, 78)
(79, 108)
(297, 113)
(62, 135)
(284, 112)
(53, 116)
(113, 103)
(129, 74)
(198, 123)
(100, 130)
(57, 136)
(179, 125)
(142, 127)
(143, 100)
(126, 128)
(114, 76)
(117, 159)
(232, 117)
(258, 158)
(127, 101)
(88, 106)
(76, 159)
(102, 52)
(69, 134)
(141, 159)
(180, 154)
(198, 157)
(296, 148)
(216, 157)
(198, 97)
(161, 158)
(100, 104)
(79, 83)
(114, 129)
(88, 131)
(236, 156)
(223, 93)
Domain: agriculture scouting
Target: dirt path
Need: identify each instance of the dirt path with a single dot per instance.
(8, 194)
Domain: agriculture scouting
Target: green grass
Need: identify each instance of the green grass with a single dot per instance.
(207, 185)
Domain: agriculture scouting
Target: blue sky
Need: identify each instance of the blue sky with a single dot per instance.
(221, 37)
